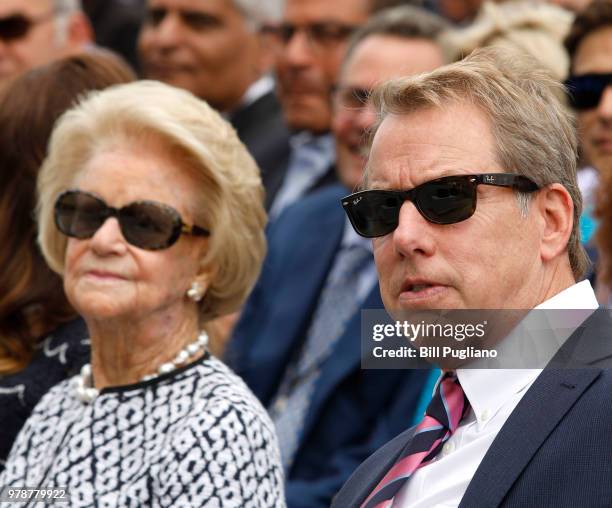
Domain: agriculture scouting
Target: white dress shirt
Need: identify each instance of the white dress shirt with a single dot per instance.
(311, 157)
(493, 394)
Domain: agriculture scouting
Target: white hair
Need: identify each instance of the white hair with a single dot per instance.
(259, 12)
(63, 10)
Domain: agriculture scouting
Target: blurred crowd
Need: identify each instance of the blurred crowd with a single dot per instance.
(189, 351)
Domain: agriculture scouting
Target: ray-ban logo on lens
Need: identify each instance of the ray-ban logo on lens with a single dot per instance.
(357, 200)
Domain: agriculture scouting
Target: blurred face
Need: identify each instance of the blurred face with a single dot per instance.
(37, 45)
(459, 10)
(204, 46)
(375, 60)
(108, 278)
(309, 56)
(488, 261)
(595, 125)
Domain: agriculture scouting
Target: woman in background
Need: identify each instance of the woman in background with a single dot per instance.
(41, 341)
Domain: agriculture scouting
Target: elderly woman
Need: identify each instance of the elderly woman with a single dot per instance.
(151, 210)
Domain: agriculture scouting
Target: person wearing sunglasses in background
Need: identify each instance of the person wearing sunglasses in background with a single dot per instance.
(41, 342)
(589, 88)
(36, 32)
(150, 209)
(470, 197)
(310, 42)
(297, 343)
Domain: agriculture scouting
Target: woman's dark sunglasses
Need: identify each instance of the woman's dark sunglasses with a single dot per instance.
(145, 224)
(442, 201)
(585, 91)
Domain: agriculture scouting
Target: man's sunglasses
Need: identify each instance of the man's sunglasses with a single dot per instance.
(585, 91)
(445, 200)
(145, 224)
(17, 26)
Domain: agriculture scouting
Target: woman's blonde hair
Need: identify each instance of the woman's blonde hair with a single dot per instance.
(225, 177)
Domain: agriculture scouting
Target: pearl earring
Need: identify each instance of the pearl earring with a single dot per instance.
(195, 292)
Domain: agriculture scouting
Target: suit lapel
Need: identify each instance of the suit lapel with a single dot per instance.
(371, 472)
(296, 296)
(538, 413)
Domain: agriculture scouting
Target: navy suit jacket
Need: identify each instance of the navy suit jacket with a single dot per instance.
(261, 127)
(353, 411)
(555, 449)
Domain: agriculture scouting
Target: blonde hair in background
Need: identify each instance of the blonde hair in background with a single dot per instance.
(537, 28)
(226, 176)
(533, 132)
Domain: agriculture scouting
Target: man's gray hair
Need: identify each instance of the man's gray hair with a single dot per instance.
(534, 134)
(405, 21)
(63, 10)
(260, 12)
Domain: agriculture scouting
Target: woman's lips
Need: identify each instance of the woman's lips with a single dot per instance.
(104, 275)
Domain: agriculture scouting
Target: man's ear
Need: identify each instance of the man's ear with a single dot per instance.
(80, 32)
(556, 209)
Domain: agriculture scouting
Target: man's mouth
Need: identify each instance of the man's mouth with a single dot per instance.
(415, 288)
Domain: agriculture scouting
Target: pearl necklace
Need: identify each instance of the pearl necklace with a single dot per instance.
(83, 383)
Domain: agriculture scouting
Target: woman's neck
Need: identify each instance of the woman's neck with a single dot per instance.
(124, 352)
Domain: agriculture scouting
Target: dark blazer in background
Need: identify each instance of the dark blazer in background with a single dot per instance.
(261, 127)
(353, 411)
(116, 25)
(555, 449)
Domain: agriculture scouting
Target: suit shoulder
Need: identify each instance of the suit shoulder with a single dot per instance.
(369, 473)
(323, 201)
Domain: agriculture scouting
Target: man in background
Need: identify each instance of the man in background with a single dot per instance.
(310, 44)
(36, 32)
(216, 50)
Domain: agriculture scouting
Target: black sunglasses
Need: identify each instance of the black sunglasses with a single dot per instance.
(322, 34)
(145, 224)
(585, 91)
(17, 26)
(445, 200)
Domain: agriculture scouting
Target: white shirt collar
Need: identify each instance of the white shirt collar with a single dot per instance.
(256, 91)
(490, 389)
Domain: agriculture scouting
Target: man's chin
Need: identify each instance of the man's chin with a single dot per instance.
(304, 114)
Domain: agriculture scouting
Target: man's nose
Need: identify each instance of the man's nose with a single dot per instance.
(169, 31)
(108, 239)
(604, 108)
(298, 49)
(413, 235)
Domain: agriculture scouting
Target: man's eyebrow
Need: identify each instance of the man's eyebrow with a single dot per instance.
(376, 185)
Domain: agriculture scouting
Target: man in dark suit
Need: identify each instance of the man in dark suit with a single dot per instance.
(485, 157)
(310, 42)
(216, 50)
(297, 344)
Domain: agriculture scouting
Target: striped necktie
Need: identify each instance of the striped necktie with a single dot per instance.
(448, 406)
